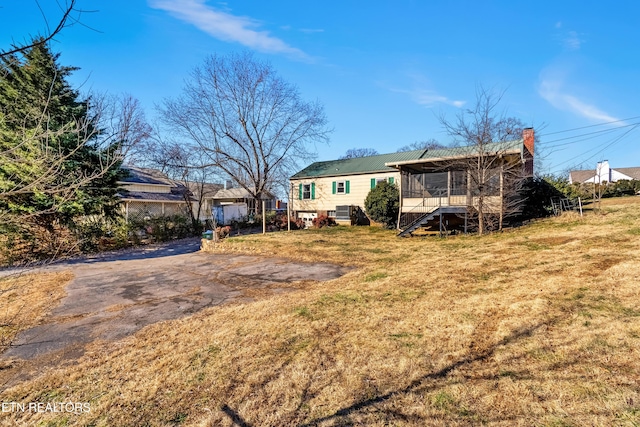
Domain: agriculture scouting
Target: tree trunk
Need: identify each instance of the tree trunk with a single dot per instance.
(480, 215)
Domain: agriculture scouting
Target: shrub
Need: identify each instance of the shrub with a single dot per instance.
(280, 221)
(323, 221)
(99, 233)
(163, 228)
(383, 203)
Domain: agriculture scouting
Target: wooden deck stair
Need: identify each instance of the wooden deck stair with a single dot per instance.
(422, 220)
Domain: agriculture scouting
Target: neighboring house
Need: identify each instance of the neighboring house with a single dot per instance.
(148, 193)
(603, 173)
(208, 191)
(337, 188)
(236, 204)
(432, 183)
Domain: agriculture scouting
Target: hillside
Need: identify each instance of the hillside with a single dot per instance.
(535, 326)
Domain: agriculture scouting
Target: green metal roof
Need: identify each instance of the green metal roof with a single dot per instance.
(359, 165)
(374, 164)
(494, 147)
(515, 146)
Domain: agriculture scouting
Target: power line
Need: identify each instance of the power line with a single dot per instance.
(611, 143)
(596, 133)
(590, 126)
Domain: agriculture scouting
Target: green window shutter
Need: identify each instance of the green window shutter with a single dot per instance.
(300, 192)
(333, 187)
(313, 191)
(391, 180)
(346, 187)
(373, 183)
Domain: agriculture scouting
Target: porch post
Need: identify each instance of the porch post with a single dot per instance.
(469, 196)
(400, 197)
(264, 215)
(289, 202)
(465, 220)
(501, 195)
(440, 210)
(449, 188)
(469, 200)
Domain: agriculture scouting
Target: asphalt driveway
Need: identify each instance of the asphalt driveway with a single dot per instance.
(114, 295)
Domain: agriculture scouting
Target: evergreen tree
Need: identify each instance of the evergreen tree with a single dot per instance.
(52, 167)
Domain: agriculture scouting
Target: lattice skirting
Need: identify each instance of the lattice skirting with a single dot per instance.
(140, 211)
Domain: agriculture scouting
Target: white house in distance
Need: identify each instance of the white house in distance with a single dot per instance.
(603, 173)
(235, 204)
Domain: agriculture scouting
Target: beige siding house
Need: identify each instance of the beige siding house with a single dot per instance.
(434, 184)
(148, 193)
(338, 188)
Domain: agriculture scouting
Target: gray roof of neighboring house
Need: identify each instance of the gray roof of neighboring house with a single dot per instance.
(234, 193)
(139, 175)
(151, 176)
(581, 175)
(584, 175)
(630, 172)
(378, 163)
(155, 197)
(208, 189)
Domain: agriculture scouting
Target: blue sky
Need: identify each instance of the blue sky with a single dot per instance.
(384, 70)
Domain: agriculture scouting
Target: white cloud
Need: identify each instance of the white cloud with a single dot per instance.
(311, 30)
(572, 41)
(551, 89)
(429, 98)
(225, 26)
(420, 90)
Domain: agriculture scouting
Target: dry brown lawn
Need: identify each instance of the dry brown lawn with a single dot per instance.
(26, 299)
(539, 326)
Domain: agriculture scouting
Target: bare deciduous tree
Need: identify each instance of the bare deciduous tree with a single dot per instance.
(246, 120)
(354, 153)
(492, 174)
(70, 15)
(187, 165)
(428, 144)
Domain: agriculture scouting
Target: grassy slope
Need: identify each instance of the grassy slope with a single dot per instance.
(26, 299)
(538, 326)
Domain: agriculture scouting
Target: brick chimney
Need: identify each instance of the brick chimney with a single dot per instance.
(528, 137)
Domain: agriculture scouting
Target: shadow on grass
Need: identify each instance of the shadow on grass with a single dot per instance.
(418, 385)
(235, 417)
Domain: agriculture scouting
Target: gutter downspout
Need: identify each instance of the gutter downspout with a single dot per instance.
(400, 198)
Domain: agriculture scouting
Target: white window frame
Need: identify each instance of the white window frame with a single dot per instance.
(306, 191)
(344, 187)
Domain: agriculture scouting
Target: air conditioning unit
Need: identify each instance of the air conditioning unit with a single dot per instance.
(346, 212)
